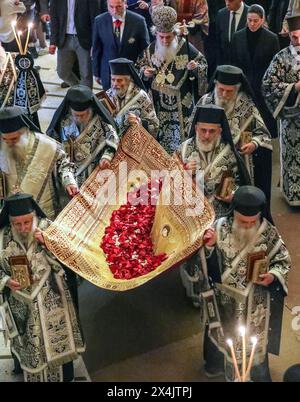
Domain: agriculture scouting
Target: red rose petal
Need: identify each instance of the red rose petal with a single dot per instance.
(127, 243)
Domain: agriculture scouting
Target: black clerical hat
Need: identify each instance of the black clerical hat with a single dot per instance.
(292, 374)
(80, 97)
(18, 205)
(249, 201)
(214, 114)
(124, 66)
(211, 113)
(230, 75)
(293, 22)
(13, 119)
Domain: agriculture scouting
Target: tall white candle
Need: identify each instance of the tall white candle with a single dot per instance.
(20, 41)
(235, 365)
(243, 335)
(254, 343)
(30, 25)
(13, 25)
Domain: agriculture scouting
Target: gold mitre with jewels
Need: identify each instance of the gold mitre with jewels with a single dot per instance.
(77, 233)
(164, 18)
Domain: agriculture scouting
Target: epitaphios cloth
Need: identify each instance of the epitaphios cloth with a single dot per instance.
(76, 235)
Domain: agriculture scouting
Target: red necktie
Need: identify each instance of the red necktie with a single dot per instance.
(117, 24)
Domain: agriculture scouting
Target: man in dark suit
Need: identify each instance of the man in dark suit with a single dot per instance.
(210, 42)
(71, 33)
(252, 49)
(117, 33)
(230, 19)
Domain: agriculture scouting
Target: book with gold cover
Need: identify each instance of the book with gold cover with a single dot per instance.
(20, 270)
(257, 265)
(226, 185)
(108, 103)
(245, 138)
(2, 185)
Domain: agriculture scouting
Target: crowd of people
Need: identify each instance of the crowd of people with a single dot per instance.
(208, 80)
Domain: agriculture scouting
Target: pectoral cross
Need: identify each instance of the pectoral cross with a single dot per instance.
(185, 27)
(184, 31)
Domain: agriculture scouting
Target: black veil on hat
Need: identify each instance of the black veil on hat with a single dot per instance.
(293, 22)
(249, 201)
(211, 113)
(78, 98)
(230, 75)
(13, 118)
(17, 205)
(123, 66)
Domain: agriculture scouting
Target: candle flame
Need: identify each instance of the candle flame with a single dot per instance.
(20, 32)
(254, 340)
(14, 23)
(30, 25)
(229, 342)
(242, 331)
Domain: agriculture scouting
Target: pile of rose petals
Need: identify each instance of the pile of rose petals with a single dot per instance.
(127, 242)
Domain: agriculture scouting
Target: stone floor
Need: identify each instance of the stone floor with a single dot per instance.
(152, 333)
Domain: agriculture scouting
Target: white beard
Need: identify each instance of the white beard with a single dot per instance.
(25, 238)
(118, 92)
(206, 147)
(165, 54)
(224, 103)
(17, 152)
(83, 123)
(243, 236)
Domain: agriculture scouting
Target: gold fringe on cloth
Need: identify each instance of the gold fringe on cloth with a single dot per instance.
(76, 234)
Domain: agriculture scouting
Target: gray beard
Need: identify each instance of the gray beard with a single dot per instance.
(205, 147)
(82, 124)
(118, 92)
(166, 54)
(243, 236)
(25, 238)
(224, 103)
(17, 152)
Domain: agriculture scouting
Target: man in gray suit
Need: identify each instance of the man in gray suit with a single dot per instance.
(71, 33)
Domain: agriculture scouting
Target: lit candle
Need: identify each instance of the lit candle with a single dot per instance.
(20, 42)
(236, 369)
(254, 343)
(243, 335)
(13, 25)
(30, 25)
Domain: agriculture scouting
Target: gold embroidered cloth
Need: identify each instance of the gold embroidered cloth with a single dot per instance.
(75, 236)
